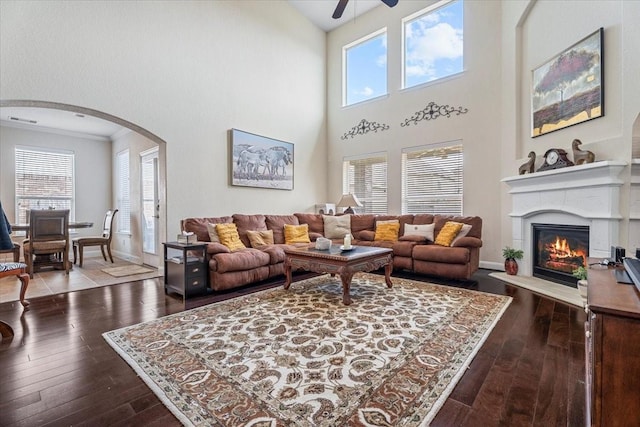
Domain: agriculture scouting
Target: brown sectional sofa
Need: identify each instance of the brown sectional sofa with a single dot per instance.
(228, 270)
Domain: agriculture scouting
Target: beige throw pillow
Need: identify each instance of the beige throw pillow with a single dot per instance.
(463, 232)
(213, 233)
(423, 230)
(336, 227)
(260, 238)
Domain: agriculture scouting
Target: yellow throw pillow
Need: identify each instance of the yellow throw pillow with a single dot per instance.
(260, 238)
(448, 233)
(296, 234)
(387, 231)
(228, 234)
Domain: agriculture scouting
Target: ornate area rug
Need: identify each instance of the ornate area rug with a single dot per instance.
(299, 357)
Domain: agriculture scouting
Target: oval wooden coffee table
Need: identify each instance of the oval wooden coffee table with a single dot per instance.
(343, 263)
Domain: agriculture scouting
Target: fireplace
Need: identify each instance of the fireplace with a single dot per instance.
(558, 250)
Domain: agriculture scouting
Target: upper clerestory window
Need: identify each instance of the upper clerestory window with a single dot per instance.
(364, 68)
(433, 43)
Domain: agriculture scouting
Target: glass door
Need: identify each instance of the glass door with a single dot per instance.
(150, 207)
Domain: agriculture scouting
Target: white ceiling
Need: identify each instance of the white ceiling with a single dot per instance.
(317, 11)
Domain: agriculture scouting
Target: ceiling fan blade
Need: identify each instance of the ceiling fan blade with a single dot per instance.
(390, 3)
(342, 4)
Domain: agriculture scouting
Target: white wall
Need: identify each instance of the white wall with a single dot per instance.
(478, 88)
(186, 71)
(92, 171)
(534, 32)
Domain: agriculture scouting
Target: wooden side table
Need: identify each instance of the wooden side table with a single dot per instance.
(185, 268)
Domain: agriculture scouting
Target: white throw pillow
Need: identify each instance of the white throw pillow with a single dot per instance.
(423, 230)
(213, 233)
(336, 227)
(463, 232)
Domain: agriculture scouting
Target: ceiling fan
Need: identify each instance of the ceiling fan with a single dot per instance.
(342, 4)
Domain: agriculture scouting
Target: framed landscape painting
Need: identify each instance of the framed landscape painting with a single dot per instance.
(569, 89)
(258, 161)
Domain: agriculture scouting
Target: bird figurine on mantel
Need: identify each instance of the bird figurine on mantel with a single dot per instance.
(529, 166)
(581, 156)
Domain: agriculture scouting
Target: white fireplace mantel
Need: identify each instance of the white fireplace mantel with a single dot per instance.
(586, 194)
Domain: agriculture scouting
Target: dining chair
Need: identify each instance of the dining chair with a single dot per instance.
(103, 241)
(17, 269)
(48, 242)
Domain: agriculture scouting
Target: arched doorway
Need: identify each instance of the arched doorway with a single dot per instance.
(128, 135)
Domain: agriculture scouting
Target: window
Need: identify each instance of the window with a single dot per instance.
(124, 202)
(366, 177)
(432, 179)
(433, 43)
(44, 180)
(365, 68)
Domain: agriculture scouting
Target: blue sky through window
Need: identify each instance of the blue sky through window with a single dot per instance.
(434, 45)
(366, 69)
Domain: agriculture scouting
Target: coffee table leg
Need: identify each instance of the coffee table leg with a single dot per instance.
(345, 277)
(287, 273)
(387, 274)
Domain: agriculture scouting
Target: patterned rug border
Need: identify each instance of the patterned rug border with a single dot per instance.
(263, 294)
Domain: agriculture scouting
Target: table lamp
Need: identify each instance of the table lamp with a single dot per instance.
(347, 201)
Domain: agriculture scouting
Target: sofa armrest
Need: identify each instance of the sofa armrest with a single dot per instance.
(469, 242)
(216, 248)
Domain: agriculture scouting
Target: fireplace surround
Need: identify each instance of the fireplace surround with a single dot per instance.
(586, 195)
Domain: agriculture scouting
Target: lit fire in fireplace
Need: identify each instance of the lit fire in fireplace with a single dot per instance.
(558, 255)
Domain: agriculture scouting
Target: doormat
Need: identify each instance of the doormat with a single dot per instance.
(126, 270)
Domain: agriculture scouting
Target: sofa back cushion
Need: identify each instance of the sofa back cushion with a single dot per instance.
(362, 222)
(277, 222)
(423, 219)
(474, 221)
(199, 225)
(316, 224)
(248, 222)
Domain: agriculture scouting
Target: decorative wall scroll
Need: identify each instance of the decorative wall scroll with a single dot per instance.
(364, 127)
(432, 111)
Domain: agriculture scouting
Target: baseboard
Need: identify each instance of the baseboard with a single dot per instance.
(489, 265)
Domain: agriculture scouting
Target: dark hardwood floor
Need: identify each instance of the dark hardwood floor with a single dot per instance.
(59, 371)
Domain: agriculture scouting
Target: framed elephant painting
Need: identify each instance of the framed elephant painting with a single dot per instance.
(258, 161)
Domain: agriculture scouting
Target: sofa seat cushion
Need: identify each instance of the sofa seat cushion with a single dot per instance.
(275, 252)
(444, 254)
(403, 248)
(244, 259)
(277, 223)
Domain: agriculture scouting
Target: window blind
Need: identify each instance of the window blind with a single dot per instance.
(367, 179)
(432, 179)
(44, 180)
(124, 201)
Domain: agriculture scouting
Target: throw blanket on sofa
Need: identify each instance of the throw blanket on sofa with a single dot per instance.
(5, 230)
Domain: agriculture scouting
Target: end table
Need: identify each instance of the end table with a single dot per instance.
(185, 268)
